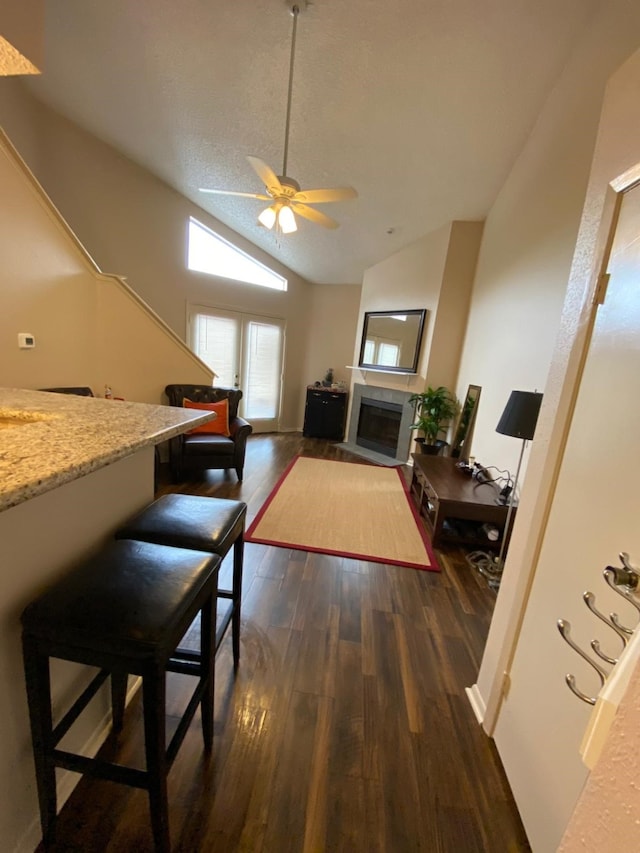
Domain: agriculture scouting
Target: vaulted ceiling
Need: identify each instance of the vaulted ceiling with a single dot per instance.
(421, 105)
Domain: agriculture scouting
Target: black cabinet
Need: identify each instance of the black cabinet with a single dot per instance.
(325, 413)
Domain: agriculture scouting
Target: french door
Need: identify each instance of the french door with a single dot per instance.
(246, 351)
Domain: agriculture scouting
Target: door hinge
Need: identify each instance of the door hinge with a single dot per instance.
(506, 684)
(601, 289)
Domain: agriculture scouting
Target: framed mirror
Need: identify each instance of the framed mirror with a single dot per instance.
(461, 445)
(391, 340)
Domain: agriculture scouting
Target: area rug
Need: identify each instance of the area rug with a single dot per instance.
(359, 511)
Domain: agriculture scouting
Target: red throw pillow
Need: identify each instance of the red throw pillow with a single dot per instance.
(219, 425)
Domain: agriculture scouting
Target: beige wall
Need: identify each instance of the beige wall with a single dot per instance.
(436, 273)
(410, 278)
(22, 24)
(41, 538)
(546, 192)
(453, 305)
(334, 310)
(89, 328)
(135, 225)
(553, 169)
(530, 235)
(46, 289)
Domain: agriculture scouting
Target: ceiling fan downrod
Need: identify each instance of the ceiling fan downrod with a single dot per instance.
(295, 11)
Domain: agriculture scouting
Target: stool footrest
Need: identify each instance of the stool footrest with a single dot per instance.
(78, 706)
(184, 723)
(184, 667)
(101, 769)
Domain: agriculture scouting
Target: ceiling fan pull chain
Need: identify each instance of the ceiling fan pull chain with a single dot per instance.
(295, 11)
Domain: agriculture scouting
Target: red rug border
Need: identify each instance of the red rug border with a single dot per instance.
(249, 537)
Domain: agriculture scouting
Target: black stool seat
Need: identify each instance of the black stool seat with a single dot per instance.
(125, 611)
(202, 524)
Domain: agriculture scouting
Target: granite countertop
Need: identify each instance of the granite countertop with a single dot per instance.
(49, 439)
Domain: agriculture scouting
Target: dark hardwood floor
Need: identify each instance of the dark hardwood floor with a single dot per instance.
(346, 728)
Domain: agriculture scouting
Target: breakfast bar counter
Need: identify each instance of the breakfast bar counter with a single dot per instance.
(72, 470)
(49, 439)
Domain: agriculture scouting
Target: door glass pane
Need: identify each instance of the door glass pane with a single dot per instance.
(215, 342)
(262, 370)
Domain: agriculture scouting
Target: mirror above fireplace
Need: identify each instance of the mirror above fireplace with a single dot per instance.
(391, 340)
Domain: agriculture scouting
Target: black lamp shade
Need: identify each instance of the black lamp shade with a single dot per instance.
(520, 415)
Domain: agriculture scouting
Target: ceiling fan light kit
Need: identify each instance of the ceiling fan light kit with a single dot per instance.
(282, 191)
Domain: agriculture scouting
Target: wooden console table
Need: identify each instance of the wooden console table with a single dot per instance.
(456, 508)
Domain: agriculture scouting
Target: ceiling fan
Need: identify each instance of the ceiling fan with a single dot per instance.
(282, 191)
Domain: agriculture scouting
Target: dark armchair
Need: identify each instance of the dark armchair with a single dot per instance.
(203, 450)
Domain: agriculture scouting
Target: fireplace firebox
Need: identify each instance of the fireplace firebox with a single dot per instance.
(379, 426)
(373, 436)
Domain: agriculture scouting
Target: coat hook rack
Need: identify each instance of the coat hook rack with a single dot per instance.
(625, 581)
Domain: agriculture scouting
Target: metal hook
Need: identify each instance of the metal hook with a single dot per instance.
(634, 571)
(595, 645)
(611, 577)
(616, 621)
(571, 681)
(590, 599)
(564, 628)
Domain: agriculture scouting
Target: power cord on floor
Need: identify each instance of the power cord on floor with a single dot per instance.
(487, 565)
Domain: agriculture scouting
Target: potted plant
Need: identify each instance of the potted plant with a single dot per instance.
(435, 409)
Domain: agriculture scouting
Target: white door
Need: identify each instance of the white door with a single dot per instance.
(246, 351)
(594, 516)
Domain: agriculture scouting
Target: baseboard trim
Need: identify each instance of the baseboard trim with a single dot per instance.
(477, 702)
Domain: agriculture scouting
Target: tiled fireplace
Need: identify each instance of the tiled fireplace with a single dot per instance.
(379, 424)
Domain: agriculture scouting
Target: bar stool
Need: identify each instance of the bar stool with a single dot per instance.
(203, 524)
(125, 611)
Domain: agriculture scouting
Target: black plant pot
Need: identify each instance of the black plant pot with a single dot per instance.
(434, 449)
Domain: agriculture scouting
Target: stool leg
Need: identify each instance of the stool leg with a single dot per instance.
(118, 698)
(238, 559)
(154, 704)
(207, 668)
(38, 682)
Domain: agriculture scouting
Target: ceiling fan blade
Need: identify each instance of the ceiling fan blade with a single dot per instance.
(324, 196)
(314, 215)
(266, 175)
(233, 192)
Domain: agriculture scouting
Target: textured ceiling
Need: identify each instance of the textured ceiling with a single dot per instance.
(421, 105)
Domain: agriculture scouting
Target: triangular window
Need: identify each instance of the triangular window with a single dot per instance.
(210, 253)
